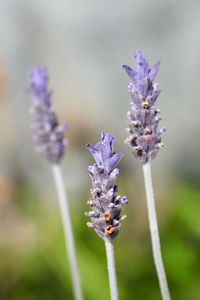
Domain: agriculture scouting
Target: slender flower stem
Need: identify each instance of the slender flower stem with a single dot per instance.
(67, 226)
(111, 269)
(154, 232)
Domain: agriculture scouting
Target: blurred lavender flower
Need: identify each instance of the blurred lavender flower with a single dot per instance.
(145, 138)
(48, 134)
(105, 202)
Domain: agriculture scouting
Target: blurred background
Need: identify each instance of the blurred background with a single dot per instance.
(83, 44)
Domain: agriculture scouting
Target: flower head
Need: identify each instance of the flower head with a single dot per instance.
(48, 134)
(145, 137)
(105, 202)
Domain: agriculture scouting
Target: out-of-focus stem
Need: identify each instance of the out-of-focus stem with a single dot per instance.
(154, 232)
(68, 232)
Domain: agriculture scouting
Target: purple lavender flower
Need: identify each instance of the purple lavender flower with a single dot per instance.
(105, 202)
(145, 137)
(48, 134)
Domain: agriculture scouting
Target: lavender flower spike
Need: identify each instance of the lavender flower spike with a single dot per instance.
(48, 134)
(105, 203)
(145, 141)
(145, 137)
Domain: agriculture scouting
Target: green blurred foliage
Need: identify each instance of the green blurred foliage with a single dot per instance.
(34, 265)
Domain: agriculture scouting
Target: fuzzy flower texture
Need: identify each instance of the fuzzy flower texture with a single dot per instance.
(105, 202)
(143, 119)
(48, 134)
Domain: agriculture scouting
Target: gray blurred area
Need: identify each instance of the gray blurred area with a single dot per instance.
(83, 44)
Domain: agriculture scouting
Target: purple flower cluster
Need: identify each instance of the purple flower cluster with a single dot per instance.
(143, 119)
(48, 134)
(105, 202)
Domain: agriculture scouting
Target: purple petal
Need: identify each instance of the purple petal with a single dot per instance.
(62, 127)
(95, 153)
(124, 200)
(163, 129)
(107, 139)
(105, 152)
(131, 73)
(106, 146)
(111, 138)
(115, 172)
(90, 168)
(142, 65)
(102, 136)
(114, 160)
(153, 71)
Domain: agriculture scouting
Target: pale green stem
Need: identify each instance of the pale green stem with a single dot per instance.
(68, 232)
(154, 233)
(111, 270)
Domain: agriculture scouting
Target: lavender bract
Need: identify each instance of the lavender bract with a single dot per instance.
(48, 134)
(145, 138)
(105, 202)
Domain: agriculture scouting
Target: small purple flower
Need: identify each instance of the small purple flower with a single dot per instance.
(145, 138)
(48, 134)
(105, 203)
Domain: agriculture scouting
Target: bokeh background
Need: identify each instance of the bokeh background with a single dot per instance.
(83, 44)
